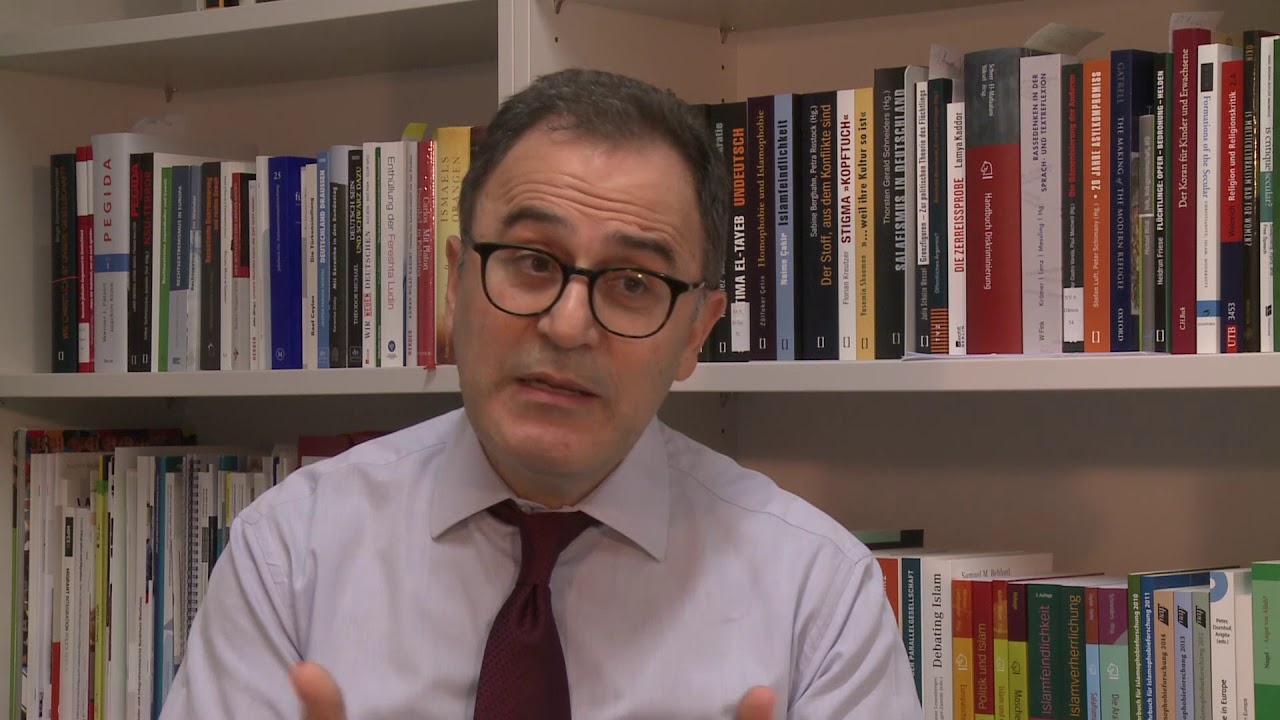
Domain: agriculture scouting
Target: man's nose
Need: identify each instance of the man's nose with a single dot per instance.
(570, 323)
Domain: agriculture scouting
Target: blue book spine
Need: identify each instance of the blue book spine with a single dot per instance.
(322, 258)
(1147, 589)
(285, 205)
(910, 609)
(1093, 680)
(1185, 686)
(784, 276)
(1132, 96)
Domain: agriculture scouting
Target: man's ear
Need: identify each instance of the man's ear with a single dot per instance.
(709, 311)
(453, 252)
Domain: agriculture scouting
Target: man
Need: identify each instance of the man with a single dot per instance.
(552, 547)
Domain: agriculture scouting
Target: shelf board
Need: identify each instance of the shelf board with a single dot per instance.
(977, 374)
(748, 15)
(286, 40)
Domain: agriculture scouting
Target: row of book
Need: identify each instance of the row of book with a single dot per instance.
(1006, 636)
(175, 255)
(119, 531)
(1020, 200)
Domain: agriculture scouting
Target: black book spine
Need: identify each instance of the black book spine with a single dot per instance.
(132, 316)
(338, 273)
(890, 185)
(66, 265)
(729, 125)
(762, 265)
(355, 255)
(1159, 314)
(145, 274)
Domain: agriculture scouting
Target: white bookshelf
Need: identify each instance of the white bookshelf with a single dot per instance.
(1114, 463)
(919, 375)
(282, 41)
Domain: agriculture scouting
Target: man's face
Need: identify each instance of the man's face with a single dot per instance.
(557, 395)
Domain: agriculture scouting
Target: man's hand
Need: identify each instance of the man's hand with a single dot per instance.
(321, 699)
(757, 704)
(319, 694)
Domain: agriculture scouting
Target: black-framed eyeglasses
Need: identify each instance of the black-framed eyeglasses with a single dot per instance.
(627, 301)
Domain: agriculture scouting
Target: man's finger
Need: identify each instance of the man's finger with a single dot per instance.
(319, 695)
(757, 704)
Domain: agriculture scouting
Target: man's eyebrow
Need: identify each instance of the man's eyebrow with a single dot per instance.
(647, 244)
(534, 214)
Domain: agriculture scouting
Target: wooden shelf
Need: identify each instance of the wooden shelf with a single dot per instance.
(975, 374)
(747, 15)
(287, 40)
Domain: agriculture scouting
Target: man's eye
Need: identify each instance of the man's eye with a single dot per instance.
(534, 263)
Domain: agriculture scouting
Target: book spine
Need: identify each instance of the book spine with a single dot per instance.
(739, 312)
(819, 308)
(1144, 287)
(164, 270)
(1233, 286)
(1250, 210)
(1266, 639)
(784, 277)
(1040, 125)
(1019, 671)
(85, 201)
(1070, 699)
(132, 316)
(1073, 208)
(393, 251)
(762, 267)
(372, 229)
(1201, 641)
(1209, 200)
(241, 270)
(1113, 653)
(918, 267)
(1097, 206)
(889, 176)
(846, 261)
(1093, 677)
(324, 261)
(1161, 314)
(1000, 632)
(211, 270)
(426, 219)
(356, 256)
(865, 220)
(957, 232)
(338, 260)
(1041, 610)
(939, 190)
(1266, 194)
(65, 286)
(994, 302)
(1184, 152)
(1131, 73)
(962, 649)
(110, 254)
(911, 616)
(984, 693)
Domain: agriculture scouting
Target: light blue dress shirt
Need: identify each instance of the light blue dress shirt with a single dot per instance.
(701, 580)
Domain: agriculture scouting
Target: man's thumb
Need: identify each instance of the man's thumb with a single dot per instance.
(319, 695)
(757, 704)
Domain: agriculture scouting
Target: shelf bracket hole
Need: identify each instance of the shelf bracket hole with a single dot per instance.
(557, 4)
(168, 93)
(724, 33)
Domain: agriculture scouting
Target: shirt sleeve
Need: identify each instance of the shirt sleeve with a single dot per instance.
(243, 639)
(856, 668)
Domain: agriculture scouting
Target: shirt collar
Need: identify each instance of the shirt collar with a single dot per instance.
(635, 500)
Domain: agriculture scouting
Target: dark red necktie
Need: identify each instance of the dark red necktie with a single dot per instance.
(522, 676)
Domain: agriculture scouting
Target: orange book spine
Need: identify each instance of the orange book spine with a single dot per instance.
(1097, 208)
(962, 648)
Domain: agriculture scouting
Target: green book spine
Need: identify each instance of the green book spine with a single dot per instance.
(1266, 639)
(1069, 654)
(1041, 613)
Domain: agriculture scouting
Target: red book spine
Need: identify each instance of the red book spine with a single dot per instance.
(84, 251)
(993, 184)
(1182, 259)
(426, 253)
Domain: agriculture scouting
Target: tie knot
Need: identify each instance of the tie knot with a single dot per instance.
(543, 536)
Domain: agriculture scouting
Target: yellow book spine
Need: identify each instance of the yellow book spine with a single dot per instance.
(453, 159)
(864, 223)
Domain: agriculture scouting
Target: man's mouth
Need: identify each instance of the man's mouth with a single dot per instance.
(556, 384)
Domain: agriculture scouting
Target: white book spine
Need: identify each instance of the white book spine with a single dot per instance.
(1244, 655)
(1266, 195)
(956, 312)
(110, 253)
(369, 259)
(392, 176)
(922, 203)
(1040, 113)
(1208, 204)
(310, 269)
(848, 315)
(1225, 585)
